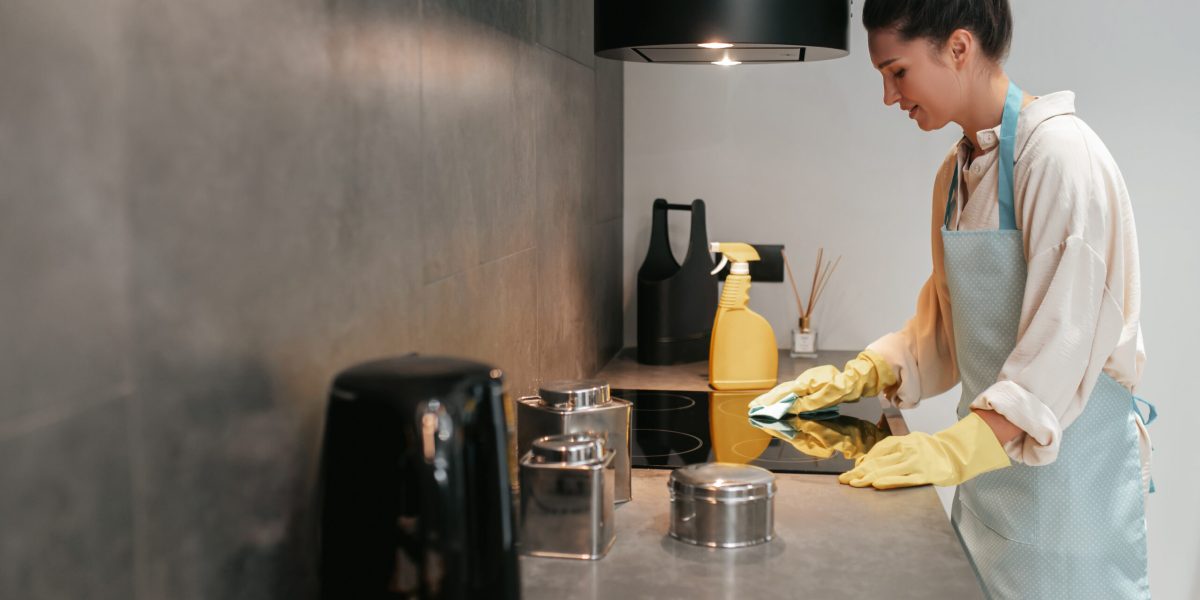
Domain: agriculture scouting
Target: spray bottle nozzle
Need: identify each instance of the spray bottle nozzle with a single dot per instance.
(716, 247)
(741, 255)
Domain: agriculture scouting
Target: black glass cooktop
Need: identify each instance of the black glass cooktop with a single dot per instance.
(671, 429)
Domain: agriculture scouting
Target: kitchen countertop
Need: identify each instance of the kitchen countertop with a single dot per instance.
(832, 541)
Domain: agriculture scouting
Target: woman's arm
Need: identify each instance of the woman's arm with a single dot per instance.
(921, 353)
(1071, 314)
(1003, 428)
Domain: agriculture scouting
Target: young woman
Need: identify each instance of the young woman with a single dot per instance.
(1033, 305)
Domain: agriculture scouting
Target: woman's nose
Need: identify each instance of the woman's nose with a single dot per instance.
(890, 94)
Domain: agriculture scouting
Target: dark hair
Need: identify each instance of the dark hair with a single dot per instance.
(935, 20)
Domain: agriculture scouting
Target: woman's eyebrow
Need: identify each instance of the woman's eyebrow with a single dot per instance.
(887, 62)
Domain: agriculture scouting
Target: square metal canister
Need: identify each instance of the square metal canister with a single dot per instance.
(567, 497)
(579, 406)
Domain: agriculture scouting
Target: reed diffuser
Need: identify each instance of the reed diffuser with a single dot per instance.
(804, 337)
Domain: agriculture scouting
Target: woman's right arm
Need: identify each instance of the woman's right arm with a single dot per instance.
(922, 352)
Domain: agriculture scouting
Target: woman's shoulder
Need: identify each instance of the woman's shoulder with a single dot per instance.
(946, 167)
(941, 178)
(1060, 138)
(1067, 183)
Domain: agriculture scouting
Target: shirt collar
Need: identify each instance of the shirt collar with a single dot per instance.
(1032, 115)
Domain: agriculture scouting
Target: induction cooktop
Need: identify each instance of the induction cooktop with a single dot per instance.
(675, 428)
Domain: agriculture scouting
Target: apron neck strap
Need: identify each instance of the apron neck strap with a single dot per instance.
(1008, 142)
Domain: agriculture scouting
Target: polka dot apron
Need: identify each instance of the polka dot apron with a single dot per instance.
(1075, 528)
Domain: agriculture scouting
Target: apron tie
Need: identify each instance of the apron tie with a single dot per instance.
(1153, 412)
(1146, 420)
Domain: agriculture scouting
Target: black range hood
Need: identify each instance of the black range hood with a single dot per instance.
(731, 31)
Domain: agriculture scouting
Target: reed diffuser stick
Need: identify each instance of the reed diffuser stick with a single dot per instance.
(824, 282)
(792, 279)
(821, 275)
(812, 291)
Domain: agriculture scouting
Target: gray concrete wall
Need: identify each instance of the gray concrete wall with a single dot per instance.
(207, 208)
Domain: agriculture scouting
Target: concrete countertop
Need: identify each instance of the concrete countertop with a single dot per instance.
(832, 541)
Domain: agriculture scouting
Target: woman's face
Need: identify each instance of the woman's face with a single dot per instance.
(916, 76)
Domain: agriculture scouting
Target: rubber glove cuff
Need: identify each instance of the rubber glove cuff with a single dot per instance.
(956, 454)
(882, 375)
(973, 446)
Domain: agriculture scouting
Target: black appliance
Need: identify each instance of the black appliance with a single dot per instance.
(671, 429)
(416, 496)
(676, 303)
(731, 31)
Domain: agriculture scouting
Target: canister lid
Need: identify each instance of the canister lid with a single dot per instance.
(568, 448)
(723, 481)
(575, 393)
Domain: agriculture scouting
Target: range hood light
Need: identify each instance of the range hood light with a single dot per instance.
(722, 32)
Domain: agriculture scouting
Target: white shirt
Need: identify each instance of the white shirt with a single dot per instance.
(1080, 312)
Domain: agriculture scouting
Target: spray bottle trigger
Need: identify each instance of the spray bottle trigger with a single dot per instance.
(720, 265)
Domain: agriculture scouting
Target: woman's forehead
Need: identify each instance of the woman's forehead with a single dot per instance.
(885, 46)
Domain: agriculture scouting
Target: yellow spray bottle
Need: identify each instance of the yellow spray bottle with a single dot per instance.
(742, 354)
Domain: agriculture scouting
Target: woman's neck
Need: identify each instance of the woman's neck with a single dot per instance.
(983, 107)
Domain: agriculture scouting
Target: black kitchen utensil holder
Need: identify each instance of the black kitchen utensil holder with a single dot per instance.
(676, 303)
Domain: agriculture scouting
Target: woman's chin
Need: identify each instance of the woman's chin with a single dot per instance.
(927, 124)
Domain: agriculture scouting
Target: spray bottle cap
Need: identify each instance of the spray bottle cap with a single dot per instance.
(740, 253)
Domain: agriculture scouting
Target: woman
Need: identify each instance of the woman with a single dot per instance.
(1033, 305)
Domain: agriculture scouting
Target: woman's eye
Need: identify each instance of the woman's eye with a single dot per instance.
(899, 73)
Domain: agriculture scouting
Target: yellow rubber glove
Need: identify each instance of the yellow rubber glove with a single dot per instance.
(949, 457)
(848, 435)
(821, 387)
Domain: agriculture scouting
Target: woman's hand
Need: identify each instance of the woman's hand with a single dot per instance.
(821, 387)
(951, 456)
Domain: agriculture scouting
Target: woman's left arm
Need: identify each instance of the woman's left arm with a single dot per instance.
(1069, 316)
(1004, 429)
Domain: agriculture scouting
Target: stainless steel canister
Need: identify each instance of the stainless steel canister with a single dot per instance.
(579, 406)
(722, 505)
(567, 497)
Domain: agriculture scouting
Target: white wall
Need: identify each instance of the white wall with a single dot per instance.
(808, 156)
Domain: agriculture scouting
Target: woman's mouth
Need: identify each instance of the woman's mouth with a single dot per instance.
(912, 112)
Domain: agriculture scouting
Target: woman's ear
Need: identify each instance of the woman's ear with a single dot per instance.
(959, 46)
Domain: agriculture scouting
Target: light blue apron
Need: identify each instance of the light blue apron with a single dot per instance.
(1075, 528)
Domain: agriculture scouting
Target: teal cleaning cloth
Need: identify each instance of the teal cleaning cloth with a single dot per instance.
(779, 410)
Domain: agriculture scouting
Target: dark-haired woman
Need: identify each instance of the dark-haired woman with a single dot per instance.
(1033, 305)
